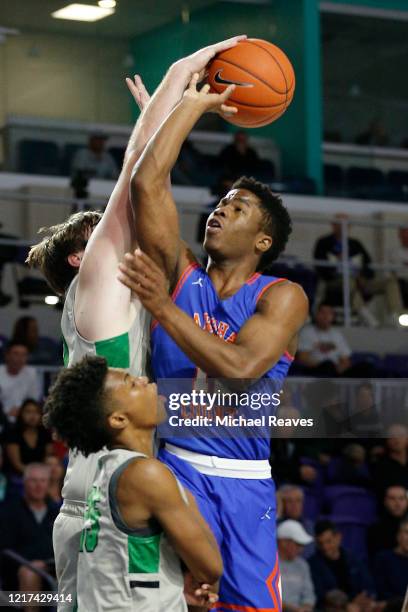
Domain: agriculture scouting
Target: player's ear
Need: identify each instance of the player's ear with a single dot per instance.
(264, 243)
(74, 259)
(117, 420)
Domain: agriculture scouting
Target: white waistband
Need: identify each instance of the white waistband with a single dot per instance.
(73, 508)
(227, 468)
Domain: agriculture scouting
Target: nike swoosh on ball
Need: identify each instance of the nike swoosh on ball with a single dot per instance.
(218, 79)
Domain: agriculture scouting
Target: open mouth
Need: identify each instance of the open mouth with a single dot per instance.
(214, 225)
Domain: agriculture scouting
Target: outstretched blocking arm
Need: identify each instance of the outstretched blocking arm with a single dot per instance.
(280, 314)
(155, 210)
(98, 290)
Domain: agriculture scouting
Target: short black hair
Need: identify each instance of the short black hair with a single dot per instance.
(325, 525)
(76, 406)
(276, 220)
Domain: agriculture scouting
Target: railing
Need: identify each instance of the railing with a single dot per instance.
(343, 265)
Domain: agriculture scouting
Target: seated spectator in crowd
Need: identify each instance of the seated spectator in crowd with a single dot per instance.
(337, 601)
(41, 350)
(374, 135)
(335, 568)
(29, 521)
(392, 468)
(391, 567)
(28, 441)
(351, 468)
(93, 161)
(4, 423)
(293, 498)
(17, 380)
(363, 284)
(364, 418)
(3, 479)
(383, 534)
(57, 473)
(323, 350)
(239, 157)
(297, 586)
(398, 256)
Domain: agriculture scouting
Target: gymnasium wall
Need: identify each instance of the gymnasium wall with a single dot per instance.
(64, 77)
(291, 25)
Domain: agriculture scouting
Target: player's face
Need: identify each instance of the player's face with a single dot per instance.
(136, 398)
(234, 227)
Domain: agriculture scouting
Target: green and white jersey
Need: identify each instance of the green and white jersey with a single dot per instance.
(128, 351)
(119, 569)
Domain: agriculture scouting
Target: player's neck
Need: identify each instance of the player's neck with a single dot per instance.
(139, 441)
(228, 276)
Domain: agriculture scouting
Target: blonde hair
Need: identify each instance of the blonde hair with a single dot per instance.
(51, 254)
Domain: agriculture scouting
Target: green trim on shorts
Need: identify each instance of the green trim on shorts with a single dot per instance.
(144, 554)
(115, 350)
(65, 352)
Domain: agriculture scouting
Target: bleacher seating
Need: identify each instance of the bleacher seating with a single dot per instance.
(67, 155)
(118, 154)
(38, 157)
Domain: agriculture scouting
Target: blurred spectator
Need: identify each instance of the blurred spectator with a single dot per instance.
(335, 568)
(293, 498)
(398, 256)
(239, 157)
(41, 350)
(363, 284)
(189, 163)
(374, 135)
(94, 161)
(337, 601)
(28, 441)
(219, 190)
(3, 479)
(284, 456)
(364, 418)
(17, 380)
(392, 567)
(323, 350)
(350, 469)
(297, 586)
(392, 468)
(29, 523)
(57, 473)
(382, 535)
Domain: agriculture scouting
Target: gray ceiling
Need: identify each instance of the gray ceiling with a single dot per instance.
(130, 19)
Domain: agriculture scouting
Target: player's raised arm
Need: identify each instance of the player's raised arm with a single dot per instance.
(157, 222)
(279, 315)
(181, 520)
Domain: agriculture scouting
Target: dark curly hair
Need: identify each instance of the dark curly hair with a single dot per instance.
(76, 407)
(276, 221)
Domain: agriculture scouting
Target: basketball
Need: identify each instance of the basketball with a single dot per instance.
(264, 79)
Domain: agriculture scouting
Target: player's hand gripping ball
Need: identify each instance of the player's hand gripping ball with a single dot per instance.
(264, 81)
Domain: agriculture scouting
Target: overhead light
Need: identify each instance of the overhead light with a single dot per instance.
(51, 300)
(107, 3)
(82, 12)
(403, 320)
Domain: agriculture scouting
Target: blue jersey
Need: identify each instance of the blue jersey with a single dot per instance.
(195, 294)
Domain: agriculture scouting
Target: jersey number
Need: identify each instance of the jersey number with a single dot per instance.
(90, 532)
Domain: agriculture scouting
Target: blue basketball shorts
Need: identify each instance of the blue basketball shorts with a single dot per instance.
(242, 516)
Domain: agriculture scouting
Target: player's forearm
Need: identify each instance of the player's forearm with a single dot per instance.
(213, 355)
(164, 99)
(161, 153)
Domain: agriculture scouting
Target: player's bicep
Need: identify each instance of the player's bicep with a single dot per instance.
(267, 334)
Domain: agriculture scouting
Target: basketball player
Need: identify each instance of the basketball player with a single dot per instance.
(79, 259)
(136, 507)
(253, 320)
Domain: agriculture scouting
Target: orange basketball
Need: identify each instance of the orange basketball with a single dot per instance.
(264, 79)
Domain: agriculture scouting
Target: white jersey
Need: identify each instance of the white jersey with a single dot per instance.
(119, 569)
(128, 351)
